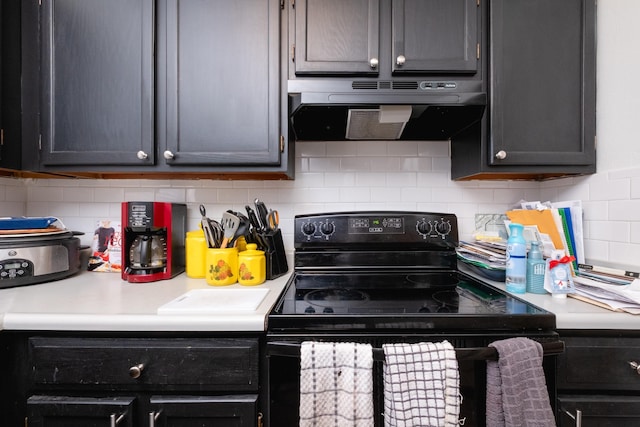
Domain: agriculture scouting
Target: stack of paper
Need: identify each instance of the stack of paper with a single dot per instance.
(561, 221)
(608, 295)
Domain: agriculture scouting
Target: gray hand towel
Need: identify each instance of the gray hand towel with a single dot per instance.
(517, 394)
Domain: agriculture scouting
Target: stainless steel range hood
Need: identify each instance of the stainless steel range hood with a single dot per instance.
(333, 109)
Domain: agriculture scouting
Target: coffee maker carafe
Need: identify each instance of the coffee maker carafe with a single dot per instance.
(154, 236)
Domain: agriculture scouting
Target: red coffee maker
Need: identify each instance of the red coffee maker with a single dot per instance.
(153, 235)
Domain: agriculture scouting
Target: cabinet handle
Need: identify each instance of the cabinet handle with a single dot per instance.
(168, 155)
(501, 155)
(577, 417)
(373, 63)
(142, 155)
(400, 60)
(153, 417)
(114, 419)
(136, 370)
(636, 366)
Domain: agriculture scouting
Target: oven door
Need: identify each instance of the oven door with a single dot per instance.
(283, 370)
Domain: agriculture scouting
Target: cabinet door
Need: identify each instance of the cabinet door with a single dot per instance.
(434, 36)
(97, 82)
(219, 91)
(542, 82)
(67, 411)
(192, 411)
(598, 411)
(337, 36)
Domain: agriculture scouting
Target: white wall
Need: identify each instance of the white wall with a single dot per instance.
(334, 176)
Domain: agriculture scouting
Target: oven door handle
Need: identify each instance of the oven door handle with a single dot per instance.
(292, 349)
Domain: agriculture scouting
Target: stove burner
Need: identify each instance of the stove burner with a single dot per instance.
(449, 298)
(331, 296)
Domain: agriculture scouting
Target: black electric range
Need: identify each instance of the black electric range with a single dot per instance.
(390, 277)
(371, 271)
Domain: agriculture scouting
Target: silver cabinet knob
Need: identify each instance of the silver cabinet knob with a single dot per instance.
(136, 370)
(400, 60)
(636, 366)
(142, 155)
(501, 155)
(373, 63)
(168, 155)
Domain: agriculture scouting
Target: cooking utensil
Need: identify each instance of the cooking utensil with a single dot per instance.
(230, 224)
(216, 232)
(262, 212)
(243, 228)
(273, 220)
(253, 219)
(206, 228)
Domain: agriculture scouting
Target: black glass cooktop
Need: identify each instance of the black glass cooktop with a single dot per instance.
(361, 301)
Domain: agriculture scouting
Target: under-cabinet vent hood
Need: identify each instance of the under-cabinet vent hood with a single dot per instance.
(340, 109)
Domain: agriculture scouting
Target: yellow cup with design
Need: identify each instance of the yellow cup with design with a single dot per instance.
(222, 266)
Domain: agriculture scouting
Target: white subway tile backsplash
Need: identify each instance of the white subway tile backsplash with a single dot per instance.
(602, 188)
(370, 148)
(433, 149)
(624, 210)
(402, 148)
(354, 164)
(386, 195)
(352, 175)
(76, 194)
(370, 179)
(340, 179)
(612, 231)
(401, 179)
(340, 149)
(312, 149)
(318, 164)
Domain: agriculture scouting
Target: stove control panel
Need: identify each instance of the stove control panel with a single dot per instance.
(379, 227)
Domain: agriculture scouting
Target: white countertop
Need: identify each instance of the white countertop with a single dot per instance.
(92, 301)
(572, 313)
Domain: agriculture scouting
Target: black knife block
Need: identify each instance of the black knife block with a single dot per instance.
(273, 246)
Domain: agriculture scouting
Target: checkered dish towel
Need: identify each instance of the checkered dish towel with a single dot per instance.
(336, 384)
(517, 394)
(421, 385)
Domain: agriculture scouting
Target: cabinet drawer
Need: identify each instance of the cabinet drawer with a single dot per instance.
(599, 364)
(203, 364)
(598, 411)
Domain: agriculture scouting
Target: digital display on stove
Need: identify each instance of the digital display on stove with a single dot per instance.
(376, 225)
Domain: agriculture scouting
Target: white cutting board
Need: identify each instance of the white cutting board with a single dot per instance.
(213, 301)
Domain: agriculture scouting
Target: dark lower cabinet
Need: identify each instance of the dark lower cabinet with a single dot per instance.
(122, 411)
(598, 411)
(130, 381)
(67, 411)
(598, 381)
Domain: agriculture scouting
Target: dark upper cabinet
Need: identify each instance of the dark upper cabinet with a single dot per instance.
(435, 36)
(10, 129)
(541, 115)
(378, 37)
(129, 86)
(97, 80)
(336, 36)
(219, 87)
